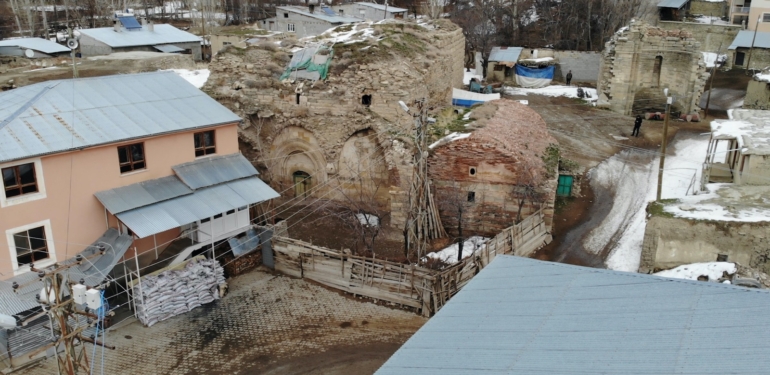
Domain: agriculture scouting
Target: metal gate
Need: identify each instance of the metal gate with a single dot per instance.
(565, 186)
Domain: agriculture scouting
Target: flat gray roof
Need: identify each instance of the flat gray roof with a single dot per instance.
(745, 37)
(61, 115)
(524, 316)
(390, 8)
(161, 34)
(37, 44)
(505, 54)
(318, 13)
(672, 3)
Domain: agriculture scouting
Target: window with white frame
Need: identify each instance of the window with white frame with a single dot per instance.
(765, 17)
(31, 244)
(22, 182)
(290, 26)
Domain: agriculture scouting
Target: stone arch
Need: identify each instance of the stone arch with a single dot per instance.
(296, 149)
(361, 155)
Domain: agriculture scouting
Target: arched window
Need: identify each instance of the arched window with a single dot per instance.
(302, 183)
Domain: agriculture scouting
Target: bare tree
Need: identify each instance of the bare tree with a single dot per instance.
(527, 187)
(455, 203)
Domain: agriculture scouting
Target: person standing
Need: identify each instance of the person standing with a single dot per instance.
(569, 77)
(637, 125)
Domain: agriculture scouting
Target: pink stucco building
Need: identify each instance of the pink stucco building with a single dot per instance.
(127, 164)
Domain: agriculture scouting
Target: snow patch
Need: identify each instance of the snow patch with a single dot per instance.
(711, 19)
(449, 253)
(696, 207)
(713, 270)
(467, 77)
(451, 137)
(762, 77)
(368, 220)
(555, 90)
(197, 78)
(711, 58)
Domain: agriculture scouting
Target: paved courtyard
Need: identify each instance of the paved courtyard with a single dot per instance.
(266, 323)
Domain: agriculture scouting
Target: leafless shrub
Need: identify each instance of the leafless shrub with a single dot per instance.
(281, 57)
(267, 45)
(274, 69)
(347, 54)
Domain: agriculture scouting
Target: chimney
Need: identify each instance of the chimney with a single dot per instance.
(144, 21)
(311, 7)
(150, 26)
(116, 25)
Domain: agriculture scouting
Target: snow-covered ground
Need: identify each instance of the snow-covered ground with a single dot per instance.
(368, 220)
(468, 75)
(633, 177)
(711, 20)
(197, 77)
(449, 138)
(449, 253)
(710, 58)
(714, 271)
(555, 90)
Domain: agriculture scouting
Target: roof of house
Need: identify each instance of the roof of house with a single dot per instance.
(320, 14)
(750, 127)
(747, 39)
(37, 44)
(56, 116)
(525, 316)
(382, 7)
(92, 271)
(505, 54)
(161, 34)
(672, 3)
(199, 189)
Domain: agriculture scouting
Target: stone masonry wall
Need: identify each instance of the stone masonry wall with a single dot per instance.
(710, 8)
(670, 242)
(711, 37)
(628, 67)
(757, 95)
(330, 112)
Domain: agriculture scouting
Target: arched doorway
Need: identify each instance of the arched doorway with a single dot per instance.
(302, 183)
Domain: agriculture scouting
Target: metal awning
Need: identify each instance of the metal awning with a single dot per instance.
(168, 48)
(92, 271)
(677, 4)
(203, 203)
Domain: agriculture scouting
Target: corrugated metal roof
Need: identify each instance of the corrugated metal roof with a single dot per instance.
(672, 3)
(78, 113)
(204, 203)
(505, 54)
(320, 15)
(523, 316)
(161, 34)
(214, 170)
(745, 37)
(168, 48)
(37, 44)
(142, 194)
(12, 303)
(382, 7)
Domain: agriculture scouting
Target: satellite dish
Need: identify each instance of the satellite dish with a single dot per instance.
(72, 43)
(29, 53)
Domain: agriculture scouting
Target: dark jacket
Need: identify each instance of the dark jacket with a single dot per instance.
(569, 75)
(638, 121)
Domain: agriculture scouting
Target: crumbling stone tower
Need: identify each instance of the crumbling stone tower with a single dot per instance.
(327, 132)
(640, 61)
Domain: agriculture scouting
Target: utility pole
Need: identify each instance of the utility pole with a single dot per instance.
(59, 301)
(711, 82)
(669, 100)
(423, 222)
(748, 63)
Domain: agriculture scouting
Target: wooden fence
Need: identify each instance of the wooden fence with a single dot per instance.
(421, 288)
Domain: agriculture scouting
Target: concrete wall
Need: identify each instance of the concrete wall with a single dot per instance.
(760, 58)
(627, 68)
(710, 8)
(219, 41)
(92, 47)
(671, 242)
(757, 95)
(68, 181)
(711, 37)
(758, 8)
(584, 65)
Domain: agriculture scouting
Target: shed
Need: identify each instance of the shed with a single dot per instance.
(371, 11)
(751, 43)
(673, 10)
(501, 61)
(125, 37)
(33, 48)
(525, 316)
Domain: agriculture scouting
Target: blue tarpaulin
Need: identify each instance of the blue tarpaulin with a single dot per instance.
(534, 77)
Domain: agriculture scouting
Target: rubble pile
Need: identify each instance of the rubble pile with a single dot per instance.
(175, 292)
